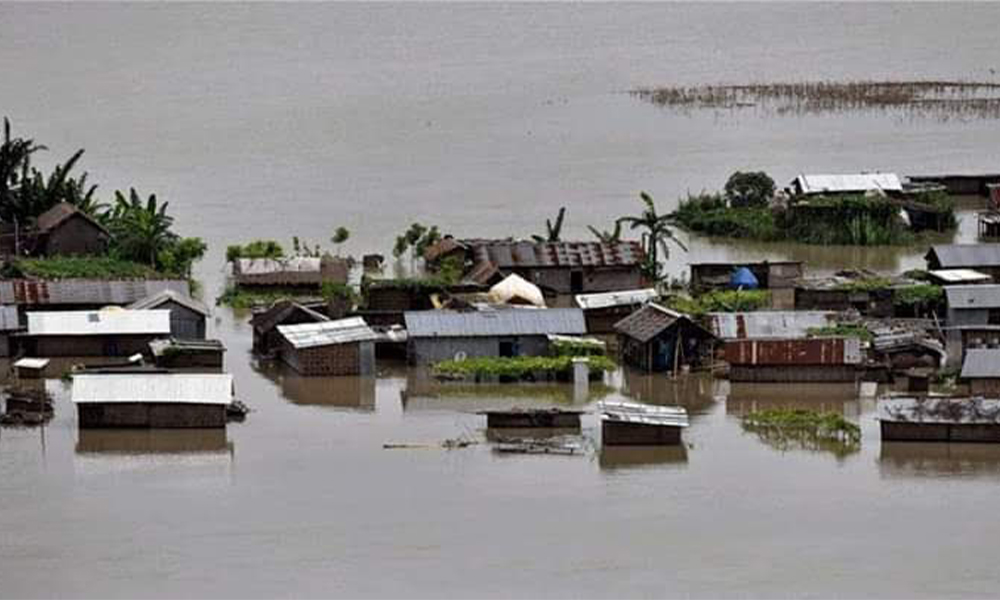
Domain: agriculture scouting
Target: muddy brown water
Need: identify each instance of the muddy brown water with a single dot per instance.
(274, 121)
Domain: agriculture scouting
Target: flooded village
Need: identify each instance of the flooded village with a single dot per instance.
(596, 382)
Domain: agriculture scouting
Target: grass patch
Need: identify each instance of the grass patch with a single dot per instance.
(80, 267)
(924, 294)
(787, 429)
(245, 298)
(721, 301)
(841, 330)
(517, 367)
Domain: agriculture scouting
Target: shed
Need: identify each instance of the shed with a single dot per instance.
(979, 257)
(294, 271)
(187, 315)
(635, 424)
(502, 331)
(188, 354)
(824, 359)
(938, 419)
(152, 399)
(266, 339)
(66, 230)
(115, 332)
(972, 310)
(655, 338)
(342, 347)
(981, 370)
(604, 310)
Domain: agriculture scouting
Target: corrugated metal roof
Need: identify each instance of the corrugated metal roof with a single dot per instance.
(9, 319)
(325, 333)
(849, 182)
(952, 256)
(180, 388)
(84, 291)
(161, 347)
(264, 266)
(506, 254)
(981, 363)
(768, 324)
(959, 275)
(938, 409)
(643, 414)
(973, 296)
(494, 322)
(609, 299)
(648, 322)
(99, 322)
(31, 363)
(164, 296)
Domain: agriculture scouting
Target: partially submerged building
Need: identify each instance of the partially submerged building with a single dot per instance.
(984, 258)
(92, 333)
(981, 371)
(175, 353)
(149, 400)
(66, 230)
(187, 315)
(634, 424)
(822, 359)
(655, 338)
(437, 335)
(777, 276)
(958, 277)
(604, 310)
(973, 319)
(780, 324)
(847, 183)
(291, 272)
(938, 419)
(266, 339)
(83, 294)
(342, 347)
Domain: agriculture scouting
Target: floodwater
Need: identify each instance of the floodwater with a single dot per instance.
(278, 120)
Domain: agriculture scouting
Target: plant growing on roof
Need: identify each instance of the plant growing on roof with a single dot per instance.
(658, 232)
(553, 231)
(752, 188)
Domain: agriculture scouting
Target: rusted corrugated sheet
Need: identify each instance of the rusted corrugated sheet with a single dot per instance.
(84, 291)
(819, 351)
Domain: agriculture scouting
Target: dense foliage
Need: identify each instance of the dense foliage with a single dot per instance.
(517, 367)
(255, 249)
(752, 188)
(85, 267)
(721, 301)
(657, 230)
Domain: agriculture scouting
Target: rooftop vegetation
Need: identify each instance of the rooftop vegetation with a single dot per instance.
(517, 367)
(841, 330)
(720, 301)
(83, 267)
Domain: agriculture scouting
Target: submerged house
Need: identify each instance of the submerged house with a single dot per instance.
(556, 267)
(187, 315)
(115, 332)
(83, 294)
(984, 258)
(848, 183)
(150, 400)
(436, 335)
(826, 359)
(973, 319)
(342, 347)
(655, 338)
(291, 272)
(266, 339)
(604, 310)
(981, 371)
(206, 355)
(783, 324)
(66, 230)
(769, 275)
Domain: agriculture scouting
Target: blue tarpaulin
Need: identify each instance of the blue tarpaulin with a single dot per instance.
(743, 278)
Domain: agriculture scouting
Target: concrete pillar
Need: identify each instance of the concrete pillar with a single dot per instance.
(581, 378)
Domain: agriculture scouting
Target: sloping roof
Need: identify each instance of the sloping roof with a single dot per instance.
(981, 363)
(482, 272)
(768, 324)
(164, 296)
(9, 319)
(85, 291)
(162, 346)
(850, 182)
(951, 276)
(514, 289)
(279, 311)
(648, 322)
(180, 388)
(55, 216)
(266, 266)
(610, 299)
(937, 409)
(643, 414)
(443, 246)
(494, 322)
(973, 296)
(99, 322)
(951, 256)
(342, 331)
(507, 254)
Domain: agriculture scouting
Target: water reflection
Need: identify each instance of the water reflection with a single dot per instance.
(628, 457)
(920, 459)
(424, 392)
(696, 393)
(153, 441)
(341, 392)
(505, 434)
(840, 398)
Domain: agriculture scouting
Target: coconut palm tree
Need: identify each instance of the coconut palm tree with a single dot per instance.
(141, 230)
(658, 232)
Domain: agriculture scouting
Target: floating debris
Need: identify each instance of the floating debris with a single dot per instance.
(237, 410)
(27, 407)
(935, 99)
(563, 446)
(448, 444)
(787, 429)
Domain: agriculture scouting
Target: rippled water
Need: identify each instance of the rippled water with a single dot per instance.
(276, 120)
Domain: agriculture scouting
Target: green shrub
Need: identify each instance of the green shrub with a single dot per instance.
(84, 267)
(841, 330)
(750, 189)
(517, 367)
(721, 301)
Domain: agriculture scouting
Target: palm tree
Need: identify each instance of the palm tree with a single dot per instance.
(15, 166)
(658, 232)
(141, 230)
(553, 231)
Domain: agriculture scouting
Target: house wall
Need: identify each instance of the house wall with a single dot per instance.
(594, 280)
(874, 303)
(424, 351)
(968, 316)
(85, 345)
(74, 236)
(793, 373)
(203, 360)
(185, 324)
(151, 414)
(989, 388)
(334, 359)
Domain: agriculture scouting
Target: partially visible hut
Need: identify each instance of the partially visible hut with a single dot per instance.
(342, 347)
(92, 333)
(187, 315)
(984, 258)
(848, 183)
(604, 310)
(188, 354)
(770, 275)
(66, 230)
(291, 272)
(83, 294)
(655, 338)
(266, 339)
(168, 400)
(973, 319)
(958, 277)
(981, 371)
(437, 335)
(825, 359)
(788, 324)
